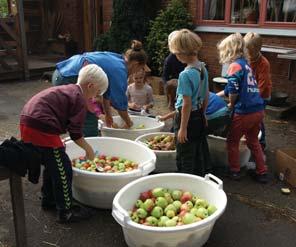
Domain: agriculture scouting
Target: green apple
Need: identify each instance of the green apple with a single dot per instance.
(177, 204)
(135, 218)
(189, 204)
(211, 209)
(163, 220)
(152, 221)
(141, 213)
(201, 203)
(170, 223)
(170, 213)
(157, 212)
(188, 218)
(170, 207)
(139, 203)
(157, 192)
(161, 202)
(148, 205)
(176, 194)
(194, 211)
(202, 213)
(168, 197)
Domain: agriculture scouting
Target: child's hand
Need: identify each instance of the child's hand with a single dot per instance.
(108, 120)
(146, 107)
(135, 106)
(182, 135)
(161, 118)
(89, 154)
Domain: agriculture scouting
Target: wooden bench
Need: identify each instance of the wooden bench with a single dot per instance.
(17, 202)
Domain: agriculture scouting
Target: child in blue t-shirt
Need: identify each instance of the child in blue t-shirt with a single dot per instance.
(217, 115)
(192, 97)
(246, 103)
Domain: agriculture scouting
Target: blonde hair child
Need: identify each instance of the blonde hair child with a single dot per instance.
(246, 103)
(192, 95)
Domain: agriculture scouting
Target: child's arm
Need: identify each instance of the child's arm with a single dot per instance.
(89, 152)
(149, 99)
(108, 114)
(167, 116)
(185, 114)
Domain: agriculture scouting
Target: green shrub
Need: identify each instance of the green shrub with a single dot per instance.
(130, 20)
(3, 8)
(174, 17)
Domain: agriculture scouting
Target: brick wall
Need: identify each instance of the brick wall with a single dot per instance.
(279, 67)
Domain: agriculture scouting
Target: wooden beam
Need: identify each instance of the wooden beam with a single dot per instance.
(4, 53)
(22, 33)
(5, 65)
(8, 29)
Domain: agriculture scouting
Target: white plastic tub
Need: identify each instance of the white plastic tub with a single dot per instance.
(98, 189)
(219, 154)
(165, 160)
(151, 125)
(192, 235)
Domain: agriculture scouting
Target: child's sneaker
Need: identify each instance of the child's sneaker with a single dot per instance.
(75, 214)
(262, 178)
(234, 175)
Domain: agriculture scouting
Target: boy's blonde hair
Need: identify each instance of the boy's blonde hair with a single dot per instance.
(185, 42)
(231, 48)
(92, 73)
(253, 42)
(171, 36)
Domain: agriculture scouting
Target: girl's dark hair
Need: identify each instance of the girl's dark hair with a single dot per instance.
(136, 52)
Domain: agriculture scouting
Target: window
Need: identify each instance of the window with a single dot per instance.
(281, 11)
(245, 12)
(260, 13)
(214, 10)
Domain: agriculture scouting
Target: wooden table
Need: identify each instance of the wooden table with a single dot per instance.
(292, 58)
(17, 201)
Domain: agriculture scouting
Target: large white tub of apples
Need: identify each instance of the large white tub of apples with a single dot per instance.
(163, 145)
(169, 209)
(118, 162)
(141, 125)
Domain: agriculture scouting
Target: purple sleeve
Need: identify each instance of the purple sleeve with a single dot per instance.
(76, 119)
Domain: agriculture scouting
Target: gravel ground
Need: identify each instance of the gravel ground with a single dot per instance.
(256, 215)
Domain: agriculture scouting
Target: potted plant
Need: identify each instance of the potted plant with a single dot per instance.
(250, 12)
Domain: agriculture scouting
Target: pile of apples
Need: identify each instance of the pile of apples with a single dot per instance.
(103, 163)
(162, 207)
(137, 127)
(161, 142)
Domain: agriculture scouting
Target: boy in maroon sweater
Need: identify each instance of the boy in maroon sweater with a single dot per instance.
(44, 118)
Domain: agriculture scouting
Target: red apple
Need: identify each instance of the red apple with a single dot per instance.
(145, 195)
(187, 196)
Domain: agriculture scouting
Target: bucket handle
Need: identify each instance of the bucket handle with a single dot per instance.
(121, 217)
(212, 178)
(147, 167)
(100, 124)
